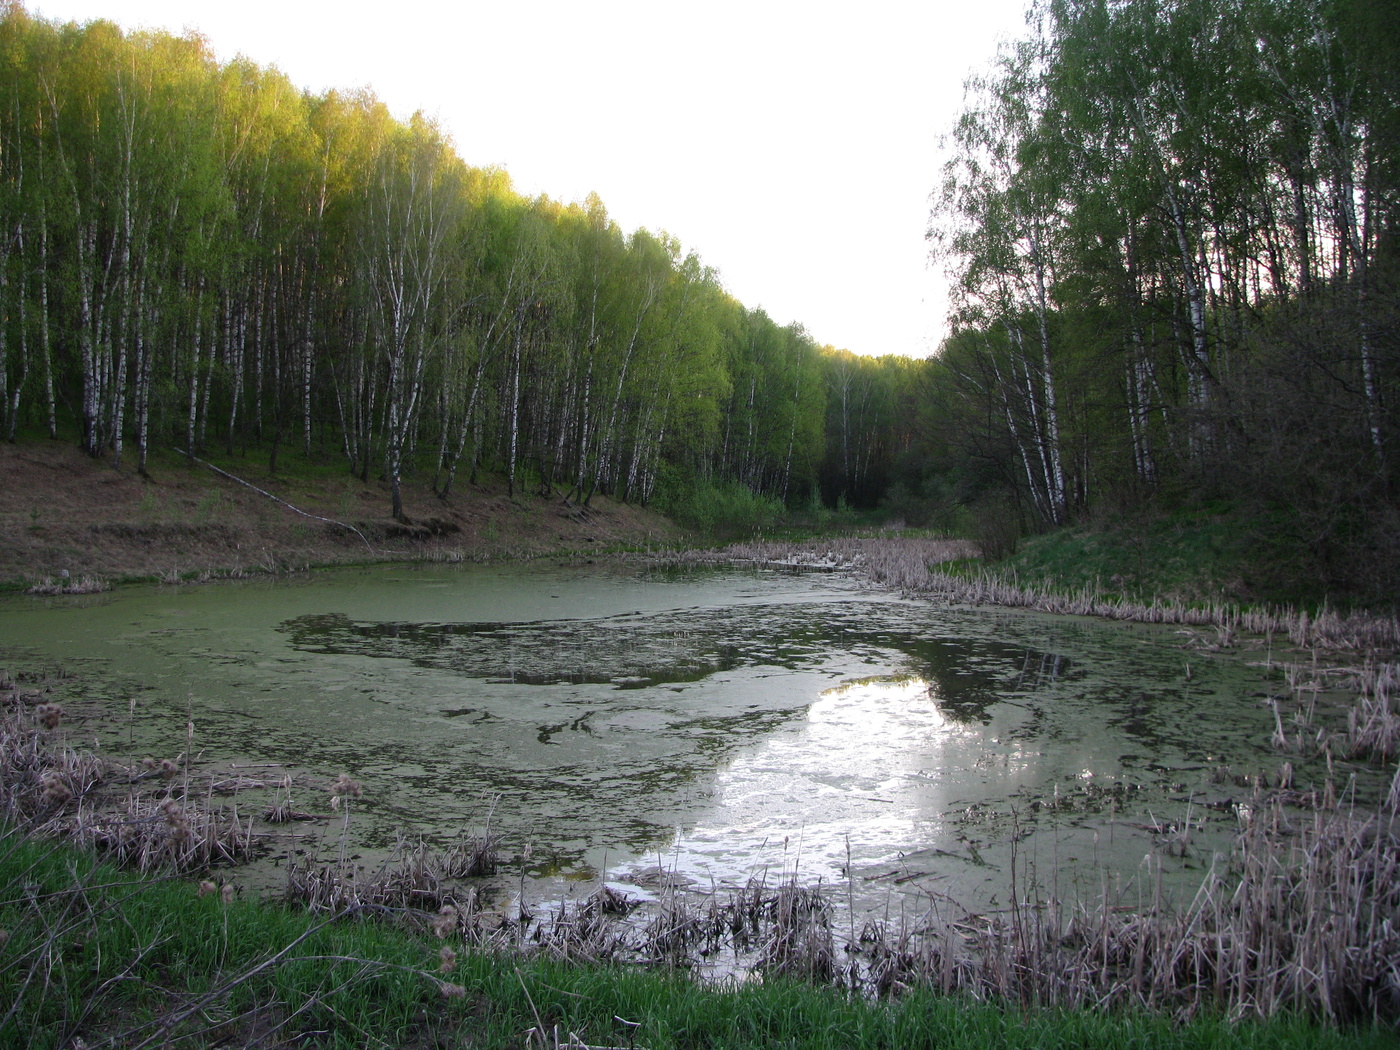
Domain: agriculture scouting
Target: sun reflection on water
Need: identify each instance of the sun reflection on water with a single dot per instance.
(865, 769)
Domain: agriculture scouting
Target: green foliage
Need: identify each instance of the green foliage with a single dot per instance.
(1174, 232)
(927, 502)
(97, 954)
(718, 510)
(1222, 551)
(200, 255)
(870, 415)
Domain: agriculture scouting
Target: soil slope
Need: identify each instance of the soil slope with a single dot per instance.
(61, 511)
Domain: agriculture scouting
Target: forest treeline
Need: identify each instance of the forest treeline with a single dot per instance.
(198, 254)
(1171, 225)
(1173, 228)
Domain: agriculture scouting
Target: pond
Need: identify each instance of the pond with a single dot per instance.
(713, 723)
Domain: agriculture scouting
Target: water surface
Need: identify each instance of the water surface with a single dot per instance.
(718, 723)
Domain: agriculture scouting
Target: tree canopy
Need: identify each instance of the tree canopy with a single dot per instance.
(1172, 226)
(197, 253)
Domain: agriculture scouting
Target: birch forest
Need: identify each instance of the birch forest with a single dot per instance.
(1172, 226)
(200, 256)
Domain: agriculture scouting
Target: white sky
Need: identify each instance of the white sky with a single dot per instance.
(793, 145)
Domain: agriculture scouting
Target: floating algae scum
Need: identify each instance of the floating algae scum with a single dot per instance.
(698, 728)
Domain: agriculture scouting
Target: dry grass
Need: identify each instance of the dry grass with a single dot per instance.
(411, 880)
(1372, 711)
(588, 930)
(418, 882)
(1373, 722)
(1303, 917)
(142, 817)
(65, 584)
(912, 567)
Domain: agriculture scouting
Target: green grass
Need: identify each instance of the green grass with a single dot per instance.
(1210, 553)
(92, 953)
(1204, 555)
(1195, 559)
(97, 954)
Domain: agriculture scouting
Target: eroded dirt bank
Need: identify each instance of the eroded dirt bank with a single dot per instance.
(62, 512)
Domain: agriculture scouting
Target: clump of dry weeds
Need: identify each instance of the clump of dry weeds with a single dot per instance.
(85, 584)
(49, 788)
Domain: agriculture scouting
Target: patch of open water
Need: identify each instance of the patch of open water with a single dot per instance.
(714, 723)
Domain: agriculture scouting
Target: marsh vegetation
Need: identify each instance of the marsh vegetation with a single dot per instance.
(779, 772)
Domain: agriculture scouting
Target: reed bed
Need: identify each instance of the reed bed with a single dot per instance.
(157, 833)
(587, 931)
(1372, 711)
(912, 566)
(1302, 917)
(143, 817)
(1373, 721)
(416, 878)
(85, 584)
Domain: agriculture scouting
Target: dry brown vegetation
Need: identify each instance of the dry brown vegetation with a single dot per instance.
(1372, 711)
(1302, 916)
(913, 567)
(151, 816)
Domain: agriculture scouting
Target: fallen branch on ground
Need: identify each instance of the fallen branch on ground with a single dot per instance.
(279, 499)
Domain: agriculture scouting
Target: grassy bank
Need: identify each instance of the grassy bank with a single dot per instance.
(95, 957)
(1213, 553)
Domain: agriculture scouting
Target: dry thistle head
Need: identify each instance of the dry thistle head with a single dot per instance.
(168, 768)
(227, 893)
(451, 991)
(445, 922)
(49, 715)
(148, 763)
(206, 888)
(344, 786)
(175, 818)
(55, 790)
(447, 960)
